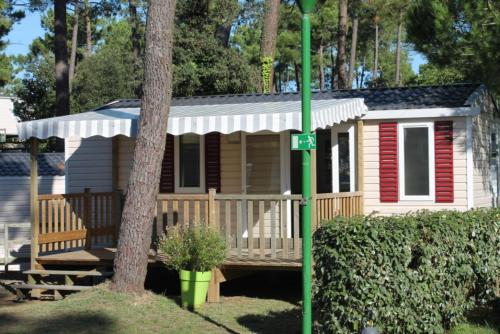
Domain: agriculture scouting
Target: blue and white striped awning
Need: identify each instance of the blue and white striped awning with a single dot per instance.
(198, 119)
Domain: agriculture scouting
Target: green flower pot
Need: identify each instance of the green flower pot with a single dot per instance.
(194, 288)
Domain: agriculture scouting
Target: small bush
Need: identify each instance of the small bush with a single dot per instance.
(417, 273)
(195, 249)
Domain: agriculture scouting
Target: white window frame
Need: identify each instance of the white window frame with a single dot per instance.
(349, 129)
(401, 161)
(189, 190)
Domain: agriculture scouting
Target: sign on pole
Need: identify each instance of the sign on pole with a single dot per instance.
(303, 141)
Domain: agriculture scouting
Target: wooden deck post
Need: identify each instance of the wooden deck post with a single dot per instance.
(87, 218)
(211, 209)
(117, 213)
(213, 295)
(361, 164)
(35, 223)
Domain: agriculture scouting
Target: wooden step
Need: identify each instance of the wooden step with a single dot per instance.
(91, 273)
(50, 287)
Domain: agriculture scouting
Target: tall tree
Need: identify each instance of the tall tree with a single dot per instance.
(8, 16)
(134, 240)
(342, 42)
(74, 43)
(61, 58)
(461, 34)
(268, 43)
(354, 45)
(376, 20)
(88, 29)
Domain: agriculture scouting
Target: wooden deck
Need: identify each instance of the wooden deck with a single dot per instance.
(105, 256)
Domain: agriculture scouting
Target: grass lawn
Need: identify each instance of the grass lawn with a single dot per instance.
(101, 311)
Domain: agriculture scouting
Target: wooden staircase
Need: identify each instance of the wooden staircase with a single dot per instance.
(55, 284)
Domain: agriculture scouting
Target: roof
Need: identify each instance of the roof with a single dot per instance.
(414, 97)
(18, 164)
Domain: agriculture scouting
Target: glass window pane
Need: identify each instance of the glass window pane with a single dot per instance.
(189, 161)
(263, 164)
(344, 164)
(324, 161)
(416, 155)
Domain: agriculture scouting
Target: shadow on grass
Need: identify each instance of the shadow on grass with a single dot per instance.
(214, 322)
(275, 322)
(488, 315)
(85, 323)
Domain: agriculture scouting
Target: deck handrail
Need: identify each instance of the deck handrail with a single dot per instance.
(260, 226)
(255, 197)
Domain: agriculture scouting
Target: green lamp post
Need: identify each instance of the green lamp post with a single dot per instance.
(306, 7)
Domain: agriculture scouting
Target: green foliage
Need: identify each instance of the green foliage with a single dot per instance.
(462, 34)
(203, 66)
(196, 248)
(430, 74)
(417, 273)
(108, 74)
(266, 69)
(36, 94)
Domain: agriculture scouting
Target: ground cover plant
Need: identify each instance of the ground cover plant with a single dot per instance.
(416, 273)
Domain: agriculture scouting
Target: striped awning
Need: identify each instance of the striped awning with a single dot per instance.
(198, 119)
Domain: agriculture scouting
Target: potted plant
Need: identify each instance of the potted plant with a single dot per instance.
(194, 252)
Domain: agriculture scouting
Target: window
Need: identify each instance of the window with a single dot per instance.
(344, 163)
(343, 158)
(416, 161)
(189, 164)
(263, 165)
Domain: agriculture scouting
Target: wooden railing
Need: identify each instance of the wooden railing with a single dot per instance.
(72, 221)
(331, 205)
(256, 226)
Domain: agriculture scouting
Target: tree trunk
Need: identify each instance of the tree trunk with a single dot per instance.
(268, 40)
(74, 44)
(375, 58)
(321, 67)
(333, 74)
(223, 33)
(341, 49)
(398, 51)
(297, 76)
(88, 30)
(134, 23)
(61, 57)
(354, 45)
(130, 265)
(363, 73)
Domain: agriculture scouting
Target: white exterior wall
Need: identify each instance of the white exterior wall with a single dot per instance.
(88, 164)
(15, 209)
(125, 155)
(482, 127)
(371, 171)
(7, 119)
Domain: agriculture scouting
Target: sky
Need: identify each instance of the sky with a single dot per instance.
(30, 27)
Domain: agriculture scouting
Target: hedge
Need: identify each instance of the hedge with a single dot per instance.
(416, 273)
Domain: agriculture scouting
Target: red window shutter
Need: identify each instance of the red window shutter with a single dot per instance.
(212, 161)
(443, 155)
(167, 182)
(388, 167)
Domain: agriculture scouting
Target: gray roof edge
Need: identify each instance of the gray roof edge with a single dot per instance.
(375, 98)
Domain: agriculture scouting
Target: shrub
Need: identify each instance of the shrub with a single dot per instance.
(194, 249)
(417, 273)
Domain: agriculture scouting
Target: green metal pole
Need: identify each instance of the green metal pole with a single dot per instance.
(306, 176)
